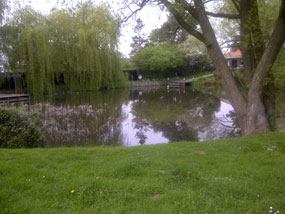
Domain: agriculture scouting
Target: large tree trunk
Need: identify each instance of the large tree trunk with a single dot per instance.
(249, 108)
(257, 119)
(230, 86)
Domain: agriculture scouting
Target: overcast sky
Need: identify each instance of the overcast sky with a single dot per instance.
(152, 17)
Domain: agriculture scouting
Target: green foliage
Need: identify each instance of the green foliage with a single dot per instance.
(125, 63)
(17, 131)
(277, 82)
(159, 61)
(268, 11)
(79, 45)
(193, 47)
(170, 31)
(278, 71)
(197, 65)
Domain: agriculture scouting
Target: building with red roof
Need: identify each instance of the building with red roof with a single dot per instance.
(234, 59)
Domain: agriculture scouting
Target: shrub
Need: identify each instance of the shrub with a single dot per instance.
(17, 131)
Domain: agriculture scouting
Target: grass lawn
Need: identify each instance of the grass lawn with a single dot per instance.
(243, 175)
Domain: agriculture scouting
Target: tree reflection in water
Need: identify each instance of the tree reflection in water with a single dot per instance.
(133, 117)
(142, 126)
(83, 119)
(185, 115)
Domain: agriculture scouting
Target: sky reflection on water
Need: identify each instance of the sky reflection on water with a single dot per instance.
(131, 131)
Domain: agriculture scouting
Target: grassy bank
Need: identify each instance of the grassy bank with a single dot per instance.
(243, 175)
(207, 84)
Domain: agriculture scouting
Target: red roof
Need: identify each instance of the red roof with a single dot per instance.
(233, 54)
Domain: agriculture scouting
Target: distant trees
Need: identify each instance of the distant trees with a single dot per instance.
(162, 60)
(166, 53)
(76, 47)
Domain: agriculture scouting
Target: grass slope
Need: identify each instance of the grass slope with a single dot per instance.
(243, 175)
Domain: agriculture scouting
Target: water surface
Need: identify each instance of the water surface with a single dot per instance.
(134, 117)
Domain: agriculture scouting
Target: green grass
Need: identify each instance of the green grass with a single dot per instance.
(243, 175)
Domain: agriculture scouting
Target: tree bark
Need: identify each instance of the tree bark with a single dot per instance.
(256, 114)
(229, 84)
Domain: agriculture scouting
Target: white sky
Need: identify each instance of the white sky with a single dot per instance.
(152, 17)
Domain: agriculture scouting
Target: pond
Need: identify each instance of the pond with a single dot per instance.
(134, 117)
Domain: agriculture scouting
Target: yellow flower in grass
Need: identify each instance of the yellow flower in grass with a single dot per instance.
(72, 191)
(97, 177)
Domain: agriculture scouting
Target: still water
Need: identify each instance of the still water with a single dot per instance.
(134, 117)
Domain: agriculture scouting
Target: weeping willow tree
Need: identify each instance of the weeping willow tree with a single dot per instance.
(78, 47)
(35, 57)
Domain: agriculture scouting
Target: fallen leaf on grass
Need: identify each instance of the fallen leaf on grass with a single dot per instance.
(155, 197)
(200, 152)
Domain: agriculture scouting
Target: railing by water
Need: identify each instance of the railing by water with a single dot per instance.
(14, 98)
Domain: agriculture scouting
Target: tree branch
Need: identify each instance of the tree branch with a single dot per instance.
(225, 43)
(274, 45)
(236, 5)
(182, 22)
(188, 7)
(206, 2)
(223, 15)
(144, 2)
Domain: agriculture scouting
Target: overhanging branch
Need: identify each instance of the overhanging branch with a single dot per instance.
(182, 22)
